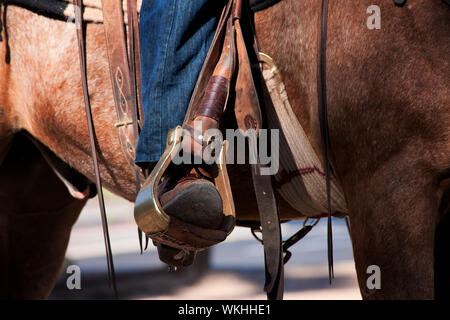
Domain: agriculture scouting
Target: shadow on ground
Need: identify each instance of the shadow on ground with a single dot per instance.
(132, 284)
(161, 283)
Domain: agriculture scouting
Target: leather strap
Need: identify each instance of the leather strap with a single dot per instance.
(248, 116)
(215, 98)
(123, 83)
(247, 108)
(210, 64)
(323, 120)
(271, 232)
(90, 123)
(126, 78)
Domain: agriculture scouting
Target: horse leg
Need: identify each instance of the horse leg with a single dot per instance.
(5, 143)
(393, 227)
(442, 248)
(36, 216)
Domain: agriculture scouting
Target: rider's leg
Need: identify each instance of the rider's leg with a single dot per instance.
(175, 38)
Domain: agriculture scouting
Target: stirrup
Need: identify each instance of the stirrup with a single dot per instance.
(158, 225)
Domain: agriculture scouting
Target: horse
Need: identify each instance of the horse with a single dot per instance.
(389, 126)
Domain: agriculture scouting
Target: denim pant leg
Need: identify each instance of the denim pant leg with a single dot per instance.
(175, 38)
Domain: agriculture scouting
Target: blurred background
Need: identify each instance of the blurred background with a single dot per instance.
(231, 270)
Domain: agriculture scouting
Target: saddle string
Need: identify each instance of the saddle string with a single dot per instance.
(323, 120)
(82, 55)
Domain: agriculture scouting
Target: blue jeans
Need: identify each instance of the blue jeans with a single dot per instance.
(175, 37)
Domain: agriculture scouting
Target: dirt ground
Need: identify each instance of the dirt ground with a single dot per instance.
(231, 270)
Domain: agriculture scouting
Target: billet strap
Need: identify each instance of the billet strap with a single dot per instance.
(248, 116)
(90, 123)
(271, 232)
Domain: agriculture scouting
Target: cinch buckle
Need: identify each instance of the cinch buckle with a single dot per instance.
(148, 211)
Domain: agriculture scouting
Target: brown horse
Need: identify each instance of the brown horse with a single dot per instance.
(389, 116)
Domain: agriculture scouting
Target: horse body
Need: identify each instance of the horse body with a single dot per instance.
(389, 118)
(388, 112)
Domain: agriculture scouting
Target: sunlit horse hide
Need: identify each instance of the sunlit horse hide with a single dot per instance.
(78, 185)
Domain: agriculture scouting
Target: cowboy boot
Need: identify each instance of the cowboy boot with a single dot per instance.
(195, 200)
(192, 198)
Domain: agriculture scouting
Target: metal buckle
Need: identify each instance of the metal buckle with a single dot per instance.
(148, 211)
(299, 235)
